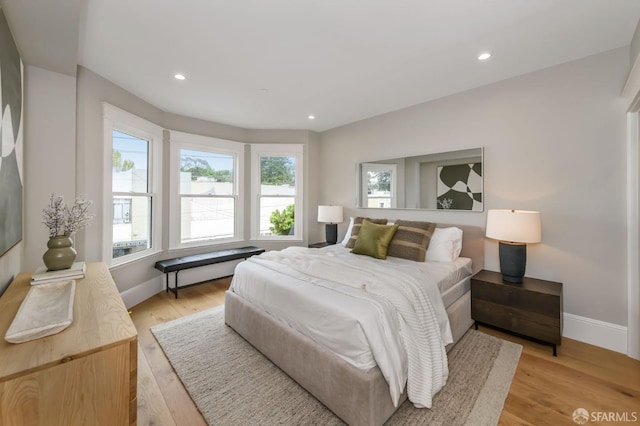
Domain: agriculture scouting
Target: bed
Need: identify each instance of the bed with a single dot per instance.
(353, 387)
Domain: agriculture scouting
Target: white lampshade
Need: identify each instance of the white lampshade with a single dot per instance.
(330, 214)
(516, 226)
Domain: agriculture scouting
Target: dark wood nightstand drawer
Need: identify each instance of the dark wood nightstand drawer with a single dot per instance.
(516, 297)
(527, 323)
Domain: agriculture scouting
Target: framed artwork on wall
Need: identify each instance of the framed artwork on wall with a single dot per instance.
(11, 148)
(460, 187)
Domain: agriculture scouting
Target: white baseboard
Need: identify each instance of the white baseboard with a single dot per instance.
(142, 292)
(595, 332)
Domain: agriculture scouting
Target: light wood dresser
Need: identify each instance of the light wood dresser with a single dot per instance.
(84, 375)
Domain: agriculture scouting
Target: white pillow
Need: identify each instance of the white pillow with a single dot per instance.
(348, 234)
(445, 245)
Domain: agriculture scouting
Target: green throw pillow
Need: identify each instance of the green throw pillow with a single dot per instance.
(373, 240)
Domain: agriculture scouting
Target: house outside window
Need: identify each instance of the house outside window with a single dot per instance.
(121, 211)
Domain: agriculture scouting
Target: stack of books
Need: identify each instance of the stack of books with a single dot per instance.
(42, 276)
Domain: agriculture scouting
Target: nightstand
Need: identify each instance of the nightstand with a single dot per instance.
(532, 309)
(319, 245)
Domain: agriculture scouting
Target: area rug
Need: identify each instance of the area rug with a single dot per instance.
(232, 383)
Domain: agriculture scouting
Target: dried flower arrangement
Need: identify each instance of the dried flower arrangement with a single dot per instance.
(62, 220)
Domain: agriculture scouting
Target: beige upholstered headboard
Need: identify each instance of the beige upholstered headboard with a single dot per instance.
(472, 244)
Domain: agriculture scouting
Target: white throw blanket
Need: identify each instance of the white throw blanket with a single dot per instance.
(409, 304)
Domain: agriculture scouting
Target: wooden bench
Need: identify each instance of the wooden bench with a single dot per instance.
(187, 262)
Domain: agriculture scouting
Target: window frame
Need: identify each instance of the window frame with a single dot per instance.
(117, 119)
(277, 150)
(380, 167)
(181, 140)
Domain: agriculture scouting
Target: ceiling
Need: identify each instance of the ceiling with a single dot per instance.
(270, 64)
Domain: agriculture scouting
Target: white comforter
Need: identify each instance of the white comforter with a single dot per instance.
(396, 307)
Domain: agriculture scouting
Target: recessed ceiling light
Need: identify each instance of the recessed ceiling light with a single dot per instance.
(312, 117)
(484, 56)
(180, 77)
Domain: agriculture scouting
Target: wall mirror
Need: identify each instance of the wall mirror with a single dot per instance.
(443, 181)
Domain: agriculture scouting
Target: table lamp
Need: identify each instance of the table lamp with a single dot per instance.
(514, 229)
(331, 215)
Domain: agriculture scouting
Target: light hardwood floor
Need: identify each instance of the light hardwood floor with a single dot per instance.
(545, 389)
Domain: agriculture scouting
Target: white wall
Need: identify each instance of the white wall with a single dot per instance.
(632, 94)
(50, 152)
(554, 141)
(635, 45)
(312, 189)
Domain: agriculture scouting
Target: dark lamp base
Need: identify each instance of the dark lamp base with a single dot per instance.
(513, 261)
(331, 232)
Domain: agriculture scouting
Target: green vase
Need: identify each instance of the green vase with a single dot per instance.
(61, 253)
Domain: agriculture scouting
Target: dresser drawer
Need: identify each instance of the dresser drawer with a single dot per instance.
(516, 297)
(527, 323)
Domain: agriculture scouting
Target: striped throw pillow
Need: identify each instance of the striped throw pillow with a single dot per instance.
(355, 230)
(411, 240)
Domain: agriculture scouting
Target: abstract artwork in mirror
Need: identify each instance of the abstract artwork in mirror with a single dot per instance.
(442, 181)
(460, 187)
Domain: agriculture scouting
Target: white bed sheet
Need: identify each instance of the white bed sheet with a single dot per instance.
(456, 291)
(335, 323)
(447, 274)
(452, 278)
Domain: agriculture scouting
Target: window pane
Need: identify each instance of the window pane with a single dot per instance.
(379, 189)
(277, 175)
(277, 216)
(379, 181)
(206, 218)
(130, 164)
(203, 172)
(135, 235)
